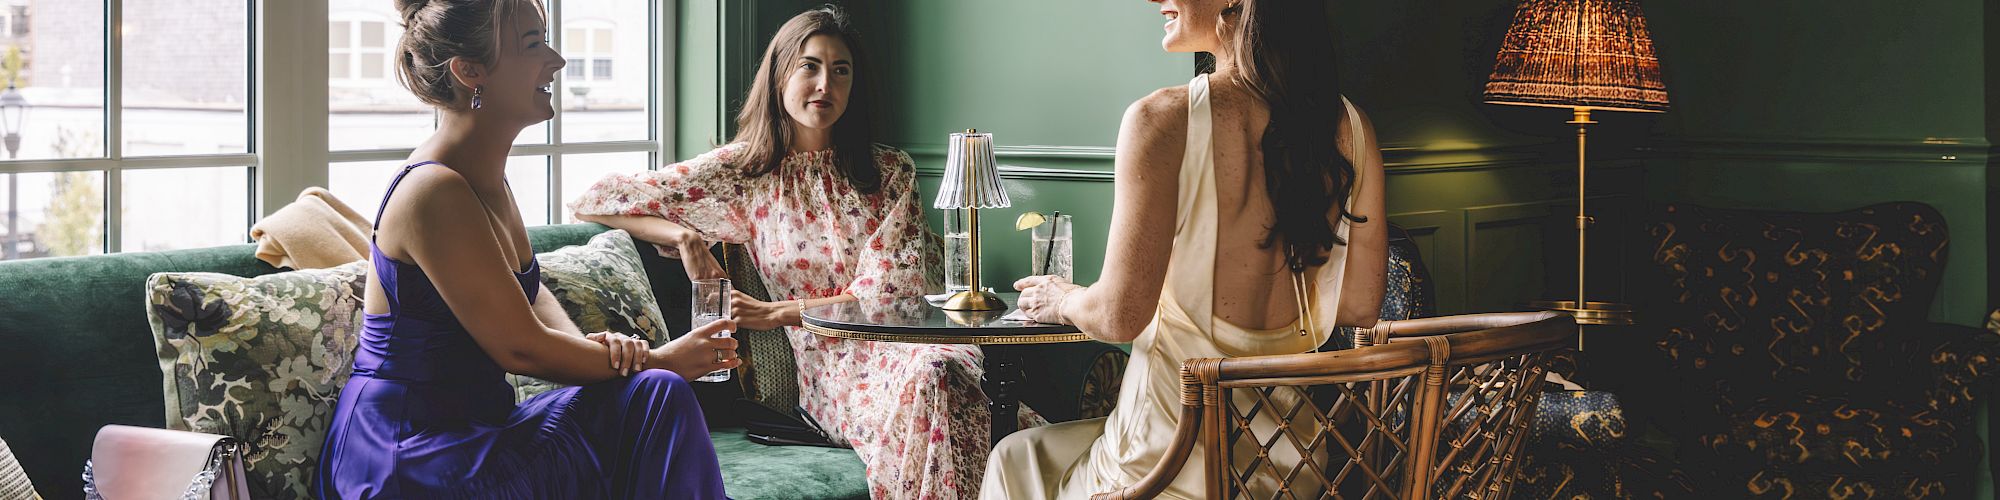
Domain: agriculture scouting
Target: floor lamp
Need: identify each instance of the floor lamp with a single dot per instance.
(1585, 55)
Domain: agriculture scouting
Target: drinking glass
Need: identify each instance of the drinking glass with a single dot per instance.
(1049, 250)
(711, 304)
(957, 252)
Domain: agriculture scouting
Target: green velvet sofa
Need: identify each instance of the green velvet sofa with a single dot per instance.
(78, 354)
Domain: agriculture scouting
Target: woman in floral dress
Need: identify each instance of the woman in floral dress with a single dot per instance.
(830, 217)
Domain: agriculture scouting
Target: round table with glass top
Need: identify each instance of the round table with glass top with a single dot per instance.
(913, 320)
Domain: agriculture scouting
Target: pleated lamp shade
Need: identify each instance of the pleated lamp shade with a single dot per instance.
(971, 176)
(1578, 54)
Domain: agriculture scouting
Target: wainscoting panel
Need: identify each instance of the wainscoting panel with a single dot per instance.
(1440, 238)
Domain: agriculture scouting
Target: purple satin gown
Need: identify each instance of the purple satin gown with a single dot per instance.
(429, 415)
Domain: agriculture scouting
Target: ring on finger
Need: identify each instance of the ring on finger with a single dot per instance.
(718, 356)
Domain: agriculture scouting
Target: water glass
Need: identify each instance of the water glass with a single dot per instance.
(1049, 250)
(957, 252)
(711, 304)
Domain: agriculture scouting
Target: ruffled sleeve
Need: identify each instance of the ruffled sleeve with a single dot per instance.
(893, 261)
(706, 194)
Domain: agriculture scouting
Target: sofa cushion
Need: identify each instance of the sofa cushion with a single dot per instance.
(259, 359)
(1838, 436)
(1819, 303)
(753, 471)
(602, 287)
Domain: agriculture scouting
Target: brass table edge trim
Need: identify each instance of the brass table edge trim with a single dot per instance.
(1044, 338)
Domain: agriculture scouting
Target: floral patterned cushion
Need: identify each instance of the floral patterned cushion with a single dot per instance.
(259, 359)
(603, 287)
(263, 359)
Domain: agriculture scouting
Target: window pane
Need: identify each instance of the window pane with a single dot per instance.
(168, 209)
(529, 178)
(336, 66)
(60, 82)
(601, 107)
(371, 34)
(574, 69)
(53, 214)
(176, 103)
(373, 65)
(581, 171)
(574, 34)
(534, 134)
(367, 108)
(360, 185)
(339, 35)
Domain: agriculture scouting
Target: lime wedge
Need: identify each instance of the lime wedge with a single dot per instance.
(1028, 219)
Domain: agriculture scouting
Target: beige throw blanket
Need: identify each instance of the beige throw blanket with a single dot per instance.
(314, 232)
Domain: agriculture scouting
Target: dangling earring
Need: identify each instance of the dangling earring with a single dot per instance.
(476, 103)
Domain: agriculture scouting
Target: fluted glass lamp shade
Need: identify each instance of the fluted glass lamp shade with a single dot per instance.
(971, 176)
(1578, 54)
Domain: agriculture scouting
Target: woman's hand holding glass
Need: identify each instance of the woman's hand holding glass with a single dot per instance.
(700, 351)
(1042, 298)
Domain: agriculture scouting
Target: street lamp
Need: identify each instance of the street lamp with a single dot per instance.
(13, 109)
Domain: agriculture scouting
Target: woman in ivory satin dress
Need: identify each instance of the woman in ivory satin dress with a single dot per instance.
(1262, 161)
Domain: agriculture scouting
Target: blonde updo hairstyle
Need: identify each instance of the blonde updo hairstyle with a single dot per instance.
(436, 31)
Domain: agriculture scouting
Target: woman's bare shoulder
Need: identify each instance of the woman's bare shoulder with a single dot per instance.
(1163, 107)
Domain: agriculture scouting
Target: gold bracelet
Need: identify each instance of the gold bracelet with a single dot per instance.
(802, 311)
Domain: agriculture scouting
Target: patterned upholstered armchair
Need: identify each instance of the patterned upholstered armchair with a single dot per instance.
(1796, 356)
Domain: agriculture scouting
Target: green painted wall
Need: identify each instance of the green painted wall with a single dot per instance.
(1051, 88)
(1818, 107)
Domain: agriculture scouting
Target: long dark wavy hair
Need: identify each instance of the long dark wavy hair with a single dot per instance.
(767, 131)
(1284, 55)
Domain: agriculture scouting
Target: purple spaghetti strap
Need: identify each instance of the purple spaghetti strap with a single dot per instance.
(377, 224)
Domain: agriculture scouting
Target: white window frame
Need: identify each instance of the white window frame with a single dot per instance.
(287, 107)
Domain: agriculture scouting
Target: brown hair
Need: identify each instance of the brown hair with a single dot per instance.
(1284, 54)
(435, 31)
(764, 127)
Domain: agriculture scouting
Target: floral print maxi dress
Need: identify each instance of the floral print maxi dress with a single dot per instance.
(915, 413)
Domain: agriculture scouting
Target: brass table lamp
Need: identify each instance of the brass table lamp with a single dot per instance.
(971, 182)
(1583, 55)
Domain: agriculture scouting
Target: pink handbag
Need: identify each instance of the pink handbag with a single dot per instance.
(141, 463)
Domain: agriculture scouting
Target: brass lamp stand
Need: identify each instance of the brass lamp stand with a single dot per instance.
(1583, 55)
(1588, 313)
(971, 182)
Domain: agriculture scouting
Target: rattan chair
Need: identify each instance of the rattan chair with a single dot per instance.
(1471, 383)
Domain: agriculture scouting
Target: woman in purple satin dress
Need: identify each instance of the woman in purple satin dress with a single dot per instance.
(456, 303)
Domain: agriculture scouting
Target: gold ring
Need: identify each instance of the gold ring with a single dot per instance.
(718, 356)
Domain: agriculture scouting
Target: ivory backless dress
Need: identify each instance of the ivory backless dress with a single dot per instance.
(1077, 459)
